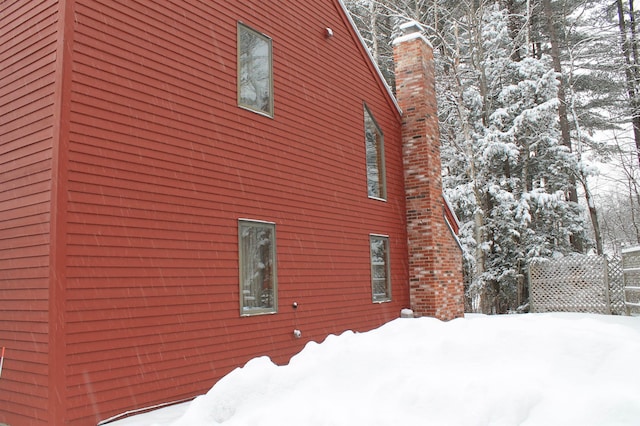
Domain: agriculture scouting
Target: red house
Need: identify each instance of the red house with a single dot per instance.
(185, 185)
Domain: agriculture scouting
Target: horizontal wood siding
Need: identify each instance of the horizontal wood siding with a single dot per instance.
(162, 164)
(27, 64)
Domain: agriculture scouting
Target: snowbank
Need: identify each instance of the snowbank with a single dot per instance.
(534, 369)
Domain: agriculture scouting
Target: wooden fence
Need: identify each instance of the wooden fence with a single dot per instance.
(631, 271)
(591, 284)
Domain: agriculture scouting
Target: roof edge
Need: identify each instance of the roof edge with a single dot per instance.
(371, 60)
(450, 213)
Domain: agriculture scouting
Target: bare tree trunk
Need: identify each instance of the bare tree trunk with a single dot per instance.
(478, 215)
(634, 42)
(633, 198)
(629, 52)
(478, 297)
(576, 240)
(631, 183)
(373, 26)
(435, 16)
(593, 213)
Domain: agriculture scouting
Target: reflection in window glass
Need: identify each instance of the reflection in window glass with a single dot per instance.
(258, 282)
(380, 280)
(255, 82)
(375, 157)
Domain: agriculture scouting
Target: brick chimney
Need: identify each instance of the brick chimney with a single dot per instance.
(435, 257)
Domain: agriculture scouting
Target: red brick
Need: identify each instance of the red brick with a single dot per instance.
(434, 291)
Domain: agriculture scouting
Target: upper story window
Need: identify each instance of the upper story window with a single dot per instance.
(374, 143)
(258, 272)
(255, 71)
(380, 277)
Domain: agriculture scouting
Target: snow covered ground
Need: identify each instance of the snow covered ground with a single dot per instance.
(533, 369)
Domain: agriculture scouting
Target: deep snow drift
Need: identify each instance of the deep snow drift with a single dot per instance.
(533, 369)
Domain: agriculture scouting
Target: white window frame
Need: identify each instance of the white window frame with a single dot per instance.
(249, 270)
(267, 110)
(377, 296)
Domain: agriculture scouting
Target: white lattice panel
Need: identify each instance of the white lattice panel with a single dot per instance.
(631, 272)
(570, 284)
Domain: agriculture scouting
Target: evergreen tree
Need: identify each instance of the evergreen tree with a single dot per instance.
(510, 160)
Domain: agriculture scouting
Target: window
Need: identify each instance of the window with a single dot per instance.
(380, 277)
(258, 277)
(374, 143)
(255, 75)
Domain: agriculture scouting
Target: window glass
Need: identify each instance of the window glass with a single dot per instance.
(255, 80)
(375, 157)
(380, 279)
(258, 278)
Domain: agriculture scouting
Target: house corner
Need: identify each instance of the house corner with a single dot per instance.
(435, 259)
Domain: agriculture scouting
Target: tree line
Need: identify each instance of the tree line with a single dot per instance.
(533, 95)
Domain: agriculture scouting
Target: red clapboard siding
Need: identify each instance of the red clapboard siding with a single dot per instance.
(27, 55)
(159, 164)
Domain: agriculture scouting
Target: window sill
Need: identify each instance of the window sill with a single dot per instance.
(256, 111)
(377, 199)
(257, 313)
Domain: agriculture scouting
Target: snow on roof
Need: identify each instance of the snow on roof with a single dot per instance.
(411, 30)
